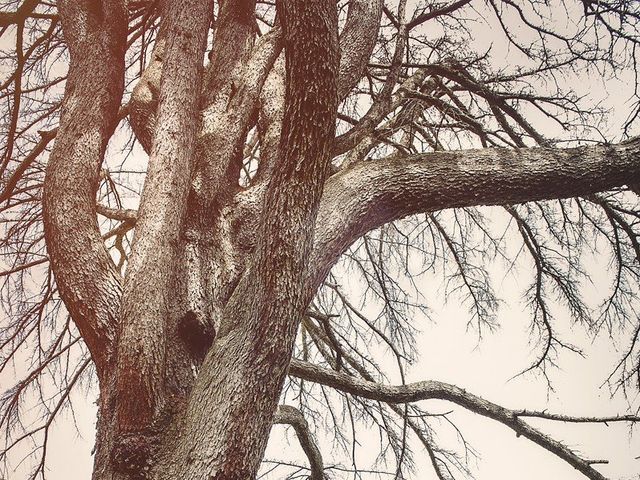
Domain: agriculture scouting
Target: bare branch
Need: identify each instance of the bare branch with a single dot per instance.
(289, 415)
(372, 193)
(85, 274)
(428, 390)
(357, 40)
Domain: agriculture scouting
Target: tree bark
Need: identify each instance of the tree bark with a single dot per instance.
(238, 265)
(149, 278)
(372, 193)
(231, 407)
(89, 283)
(357, 40)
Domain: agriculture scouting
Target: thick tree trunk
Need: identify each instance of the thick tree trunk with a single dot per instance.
(219, 429)
(192, 352)
(150, 272)
(229, 414)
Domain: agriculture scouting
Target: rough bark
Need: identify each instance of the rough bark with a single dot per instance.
(220, 274)
(372, 193)
(232, 405)
(149, 277)
(88, 281)
(213, 261)
(357, 40)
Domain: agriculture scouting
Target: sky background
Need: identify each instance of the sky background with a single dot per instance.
(452, 353)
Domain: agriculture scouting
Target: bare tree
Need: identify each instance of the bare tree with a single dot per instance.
(187, 265)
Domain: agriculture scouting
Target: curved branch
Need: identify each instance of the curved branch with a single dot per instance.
(88, 281)
(432, 390)
(372, 193)
(289, 415)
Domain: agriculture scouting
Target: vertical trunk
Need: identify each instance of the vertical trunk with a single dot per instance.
(147, 429)
(149, 282)
(228, 417)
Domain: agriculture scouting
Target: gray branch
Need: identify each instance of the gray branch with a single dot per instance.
(371, 193)
(432, 390)
(289, 415)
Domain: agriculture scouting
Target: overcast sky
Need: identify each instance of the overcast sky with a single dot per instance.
(451, 353)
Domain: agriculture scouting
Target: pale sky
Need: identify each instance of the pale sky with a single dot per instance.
(451, 353)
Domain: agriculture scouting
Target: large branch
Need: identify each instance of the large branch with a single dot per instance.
(148, 283)
(233, 44)
(88, 281)
(259, 322)
(432, 390)
(357, 39)
(372, 193)
(224, 124)
(232, 111)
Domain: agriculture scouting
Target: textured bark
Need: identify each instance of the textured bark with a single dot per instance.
(372, 193)
(193, 354)
(212, 262)
(88, 281)
(149, 278)
(232, 405)
(357, 39)
(225, 118)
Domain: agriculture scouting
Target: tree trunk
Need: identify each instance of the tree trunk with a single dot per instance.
(192, 347)
(216, 425)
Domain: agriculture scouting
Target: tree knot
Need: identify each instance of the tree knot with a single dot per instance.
(197, 333)
(134, 454)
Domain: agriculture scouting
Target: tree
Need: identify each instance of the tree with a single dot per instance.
(310, 126)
